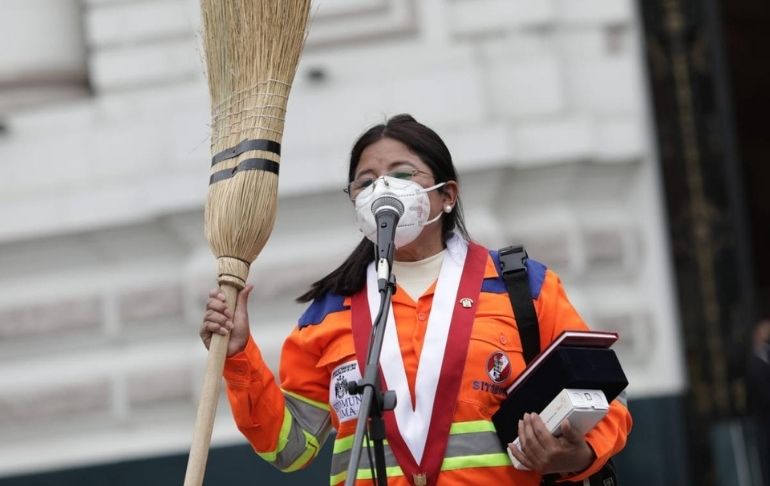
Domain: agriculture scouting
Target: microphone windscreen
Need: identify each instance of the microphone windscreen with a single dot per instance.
(388, 202)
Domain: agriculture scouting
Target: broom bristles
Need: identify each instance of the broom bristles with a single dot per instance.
(252, 49)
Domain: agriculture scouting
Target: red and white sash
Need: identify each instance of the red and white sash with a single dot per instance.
(418, 436)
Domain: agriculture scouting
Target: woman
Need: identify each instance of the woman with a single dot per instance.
(436, 352)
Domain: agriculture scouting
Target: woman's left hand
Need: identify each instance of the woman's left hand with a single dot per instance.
(546, 454)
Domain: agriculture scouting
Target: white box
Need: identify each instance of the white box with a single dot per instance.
(583, 409)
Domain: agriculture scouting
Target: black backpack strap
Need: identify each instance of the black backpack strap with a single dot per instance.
(513, 269)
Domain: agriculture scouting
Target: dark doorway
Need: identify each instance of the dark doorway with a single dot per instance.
(746, 27)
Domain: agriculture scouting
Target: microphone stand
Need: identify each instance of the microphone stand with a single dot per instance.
(375, 401)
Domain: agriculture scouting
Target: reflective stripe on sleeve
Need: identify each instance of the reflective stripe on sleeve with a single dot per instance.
(313, 417)
(305, 427)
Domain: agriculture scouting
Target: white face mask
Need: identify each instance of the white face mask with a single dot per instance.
(416, 203)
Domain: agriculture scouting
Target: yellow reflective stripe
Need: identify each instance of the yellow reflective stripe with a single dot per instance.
(365, 474)
(283, 438)
(472, 426)
(449, 464)
(321, 405)
(343, 444)
(481, 460)
(346, 443)
(311, 449)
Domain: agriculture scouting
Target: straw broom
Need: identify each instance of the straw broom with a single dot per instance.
(252, 48)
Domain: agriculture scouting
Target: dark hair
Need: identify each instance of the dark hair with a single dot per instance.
(350, 277)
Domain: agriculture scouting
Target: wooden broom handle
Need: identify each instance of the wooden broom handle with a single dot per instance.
(207, 406)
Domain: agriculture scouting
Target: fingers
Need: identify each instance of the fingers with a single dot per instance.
(217, 303)
(217, 319)
(545, 453)
(569, 432)
(530, 442)
(518, 454)
(538, 445)
(208, 328)
(215, 293)
(544, 437)
(220, 319)
(214, 316)
(217, 298)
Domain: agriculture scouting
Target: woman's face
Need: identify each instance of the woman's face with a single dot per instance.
(388, 155)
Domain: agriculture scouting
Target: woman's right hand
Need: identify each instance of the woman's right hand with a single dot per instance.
(220, 319)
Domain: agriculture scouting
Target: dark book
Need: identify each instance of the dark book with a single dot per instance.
(575, 359)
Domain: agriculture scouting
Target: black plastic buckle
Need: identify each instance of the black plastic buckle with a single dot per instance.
(513, 259)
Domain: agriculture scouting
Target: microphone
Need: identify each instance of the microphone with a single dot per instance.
(387, 211)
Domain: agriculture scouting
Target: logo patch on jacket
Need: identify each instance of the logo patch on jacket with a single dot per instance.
(498, 367)
(345, 405)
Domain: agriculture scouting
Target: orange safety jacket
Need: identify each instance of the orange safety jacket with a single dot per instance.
(287, 424)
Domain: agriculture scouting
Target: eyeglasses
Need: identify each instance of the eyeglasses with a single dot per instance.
(361, 183)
